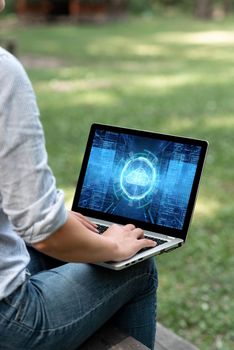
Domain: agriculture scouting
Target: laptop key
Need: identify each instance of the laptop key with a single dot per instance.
(155, 239)
(101, 228)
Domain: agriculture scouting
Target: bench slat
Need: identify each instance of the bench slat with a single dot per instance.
(109, 338)
(167, 340)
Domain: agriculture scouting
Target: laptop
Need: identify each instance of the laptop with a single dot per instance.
(140, 177)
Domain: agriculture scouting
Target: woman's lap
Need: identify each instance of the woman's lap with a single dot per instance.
(59, 308)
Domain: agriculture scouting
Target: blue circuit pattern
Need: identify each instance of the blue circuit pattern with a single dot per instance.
(137, 177)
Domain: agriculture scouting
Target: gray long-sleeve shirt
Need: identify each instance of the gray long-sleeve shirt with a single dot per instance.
(31, 208)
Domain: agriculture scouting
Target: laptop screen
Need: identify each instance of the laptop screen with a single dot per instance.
(141, 177)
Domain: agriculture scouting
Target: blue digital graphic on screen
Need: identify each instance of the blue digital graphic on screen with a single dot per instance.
(140, 178)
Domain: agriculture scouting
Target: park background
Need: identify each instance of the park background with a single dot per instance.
(165, 66)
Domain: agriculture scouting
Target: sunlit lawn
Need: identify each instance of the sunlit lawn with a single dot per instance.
(172, 75)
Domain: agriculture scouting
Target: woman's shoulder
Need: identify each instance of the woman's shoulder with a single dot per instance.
(11, 70)
(9, 64)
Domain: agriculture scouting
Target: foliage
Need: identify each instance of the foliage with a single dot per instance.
(10, 6)
(139, 6)
(167, 74)
(153, 6)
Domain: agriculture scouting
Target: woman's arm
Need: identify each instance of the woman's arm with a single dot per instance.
(29, 196)
(30, 199)
(73, 242)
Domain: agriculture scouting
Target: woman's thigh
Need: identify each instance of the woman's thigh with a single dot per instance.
(40, 262)
(59, 308)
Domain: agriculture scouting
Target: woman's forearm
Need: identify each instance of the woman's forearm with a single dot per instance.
(73, 242)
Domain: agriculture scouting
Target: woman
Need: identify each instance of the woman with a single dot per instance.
(49, 296)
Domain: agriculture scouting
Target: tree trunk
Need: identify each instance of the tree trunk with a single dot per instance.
(204, 8)
(226, 6)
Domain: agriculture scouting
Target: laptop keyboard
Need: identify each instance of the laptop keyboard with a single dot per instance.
(102, 228)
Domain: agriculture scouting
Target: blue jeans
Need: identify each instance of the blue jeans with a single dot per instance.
(60, 305)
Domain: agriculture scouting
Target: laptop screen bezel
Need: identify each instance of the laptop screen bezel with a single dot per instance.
(173, 232)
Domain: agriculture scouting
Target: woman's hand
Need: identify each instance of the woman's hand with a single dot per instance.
(128, 240)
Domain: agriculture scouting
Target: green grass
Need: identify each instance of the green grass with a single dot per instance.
(168, 74)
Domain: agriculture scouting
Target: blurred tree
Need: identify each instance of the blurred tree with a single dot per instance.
(80, 8)
(227, 6)
(139, 6)
(204, 8)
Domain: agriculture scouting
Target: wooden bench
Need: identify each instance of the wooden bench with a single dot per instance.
(108, 338)
(167, 340)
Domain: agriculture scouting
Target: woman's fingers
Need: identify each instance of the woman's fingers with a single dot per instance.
(146, 243)
(138, 232)
(129, 227)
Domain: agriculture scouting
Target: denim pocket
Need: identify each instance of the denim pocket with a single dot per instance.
(16, 301)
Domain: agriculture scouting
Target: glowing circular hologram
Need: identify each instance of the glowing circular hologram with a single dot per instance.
(137, 178)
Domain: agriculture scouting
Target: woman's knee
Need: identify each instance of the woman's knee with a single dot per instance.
(152, 271)
(148, 270)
